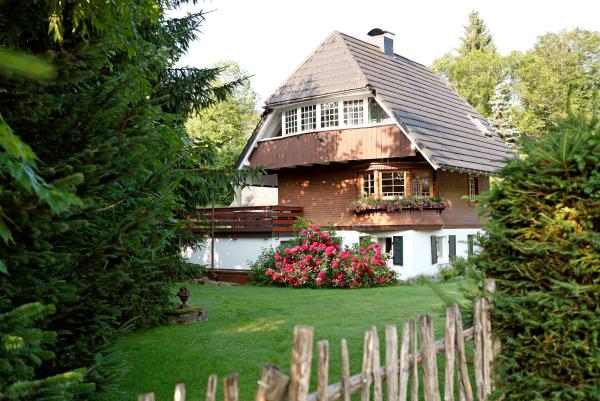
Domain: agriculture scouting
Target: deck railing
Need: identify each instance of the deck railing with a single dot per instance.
(247, 219)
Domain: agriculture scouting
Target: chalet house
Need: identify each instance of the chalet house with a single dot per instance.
(355, 129)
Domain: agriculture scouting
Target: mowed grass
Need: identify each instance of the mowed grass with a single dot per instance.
(249, 327)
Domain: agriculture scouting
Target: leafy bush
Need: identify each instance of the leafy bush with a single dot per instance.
(543, 249)
(460, 268)
(365, 204)
(315, 258)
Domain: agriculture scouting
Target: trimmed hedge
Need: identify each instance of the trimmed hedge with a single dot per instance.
(543, 249)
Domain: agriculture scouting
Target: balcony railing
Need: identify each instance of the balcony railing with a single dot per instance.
(248, 219)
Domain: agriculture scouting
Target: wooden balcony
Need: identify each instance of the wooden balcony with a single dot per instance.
(340, 145)
(248, 219)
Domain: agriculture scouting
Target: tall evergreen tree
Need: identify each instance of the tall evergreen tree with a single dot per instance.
(477, 68)
(501, 118)
(108, 131)
(476, 36)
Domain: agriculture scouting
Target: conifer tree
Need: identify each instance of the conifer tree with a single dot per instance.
(476, 36)
(107, 130)
(501, 117)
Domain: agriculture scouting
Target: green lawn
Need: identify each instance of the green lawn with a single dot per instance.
(249, 326)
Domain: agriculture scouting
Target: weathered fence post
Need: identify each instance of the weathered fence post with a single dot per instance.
(478, 349)
(345, 371)
(146, 397)
(430, 373)
(415, 370)
(301, 360)
(367, 366)
(179, 394)
(377, 386)
(211, 388)
(404, 362)
(230, 390)
(391, 362)
(449, 341)
(273, 384)
(490, 345)
(323, 369)
(464, 383)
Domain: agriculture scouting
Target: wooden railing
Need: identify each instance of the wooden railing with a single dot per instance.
(400, 370)
(248, 219)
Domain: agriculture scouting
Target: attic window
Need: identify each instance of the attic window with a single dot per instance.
(308, 116)
(480, 125)
(329, 115)
(353, 112)
(291, 121)
(376, 113)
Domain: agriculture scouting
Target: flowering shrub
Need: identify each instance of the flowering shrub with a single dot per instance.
(315, 258)
(366, 204)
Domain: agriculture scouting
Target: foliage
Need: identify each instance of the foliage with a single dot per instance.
(560, 73)
(22, 349)
(97, 172)
(477, 68)
(227, 125)
(502, 117)
(543, 249)
(397, 204)
(459, 269)
(316, 259)
(476, 37)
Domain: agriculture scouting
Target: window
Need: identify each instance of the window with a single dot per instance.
(421, 183)
(353, 112)
(368, 188)
(480, 126)
(329, 115)
(470, 244)
(291, 122)
(473, 188)
(376, 113)
(308, 116)
(392, 184)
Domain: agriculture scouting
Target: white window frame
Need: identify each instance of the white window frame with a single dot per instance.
(340, 118)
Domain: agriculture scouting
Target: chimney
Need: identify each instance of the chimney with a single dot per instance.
(382, 39)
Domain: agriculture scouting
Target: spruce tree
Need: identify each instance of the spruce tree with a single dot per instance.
(501, 117)
(543, 248)
(476, 36)
(107, 130)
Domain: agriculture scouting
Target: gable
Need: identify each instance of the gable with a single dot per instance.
(330, 69)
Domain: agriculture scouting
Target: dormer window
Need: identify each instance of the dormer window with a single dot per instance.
(353, 112)
(348, 113)
(329, 115)
(291, 122)
(480, 125)
(309, 117)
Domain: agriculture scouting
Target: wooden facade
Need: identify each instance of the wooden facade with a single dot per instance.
(326, 192)
(340, 145)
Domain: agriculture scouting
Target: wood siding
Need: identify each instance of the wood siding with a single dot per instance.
(341, 145)
(326, 192)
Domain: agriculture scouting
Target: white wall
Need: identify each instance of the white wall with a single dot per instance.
(255, 196)
(239, 253)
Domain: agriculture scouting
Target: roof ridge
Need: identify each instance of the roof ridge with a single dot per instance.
(395, 54)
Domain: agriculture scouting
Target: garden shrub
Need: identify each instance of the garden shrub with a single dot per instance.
(316, 258)
(543, 248)
(460, 268)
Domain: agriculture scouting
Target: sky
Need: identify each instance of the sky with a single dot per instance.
(270, 39)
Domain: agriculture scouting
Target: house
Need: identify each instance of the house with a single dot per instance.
(358, 121)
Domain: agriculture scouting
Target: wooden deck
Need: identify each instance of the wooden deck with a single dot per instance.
(248, 219)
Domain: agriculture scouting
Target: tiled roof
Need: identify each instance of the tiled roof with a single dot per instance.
(430, 112)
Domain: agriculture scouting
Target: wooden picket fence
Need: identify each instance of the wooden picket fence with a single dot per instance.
(399, 367)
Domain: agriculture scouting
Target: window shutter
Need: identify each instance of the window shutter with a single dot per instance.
(434, 256)
(398, 244)
(470, 244)
(452, 247)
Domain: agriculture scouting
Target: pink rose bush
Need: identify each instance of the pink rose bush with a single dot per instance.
(315, 258)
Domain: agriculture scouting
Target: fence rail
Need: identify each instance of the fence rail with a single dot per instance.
(250, 219)
(399, 371)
